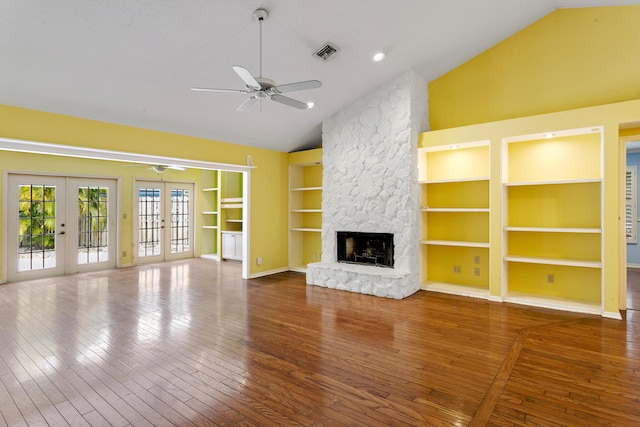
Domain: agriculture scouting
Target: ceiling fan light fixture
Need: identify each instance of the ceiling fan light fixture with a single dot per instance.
(310, 105)
(159, 168)
(378, 57)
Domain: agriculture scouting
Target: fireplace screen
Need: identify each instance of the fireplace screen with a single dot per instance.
(365, 248)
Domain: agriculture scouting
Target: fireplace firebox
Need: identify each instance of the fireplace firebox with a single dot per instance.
(365, 248)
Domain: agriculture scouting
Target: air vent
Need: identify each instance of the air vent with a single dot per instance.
(325, 52)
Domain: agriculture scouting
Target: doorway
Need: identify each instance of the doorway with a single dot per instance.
(632, 149)
(164, 225)
(60, 225)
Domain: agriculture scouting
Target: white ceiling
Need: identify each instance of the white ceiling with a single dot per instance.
(132, 62)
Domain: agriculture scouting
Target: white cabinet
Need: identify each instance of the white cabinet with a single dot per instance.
(231, 245)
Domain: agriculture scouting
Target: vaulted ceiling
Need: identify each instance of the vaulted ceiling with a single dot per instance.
(133, 62)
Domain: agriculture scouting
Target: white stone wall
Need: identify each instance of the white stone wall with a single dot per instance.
(370, 185)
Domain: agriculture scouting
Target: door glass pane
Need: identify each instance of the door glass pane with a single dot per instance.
(93, 220)
(149, 222)
(180, 221)
(36, 227)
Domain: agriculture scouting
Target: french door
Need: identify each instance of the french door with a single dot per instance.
(59, 225)
(164, 212)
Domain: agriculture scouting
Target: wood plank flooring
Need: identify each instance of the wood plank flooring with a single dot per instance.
(633, 288)
(190, 343)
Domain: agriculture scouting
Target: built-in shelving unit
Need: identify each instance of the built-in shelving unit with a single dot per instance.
(552, 220)
(210, 215)
(305, 211)
(454, 244)
(231, 215)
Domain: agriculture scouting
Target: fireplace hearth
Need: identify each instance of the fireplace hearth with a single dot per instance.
(365, 248)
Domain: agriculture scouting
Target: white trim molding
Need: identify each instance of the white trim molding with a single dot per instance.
(24, 146)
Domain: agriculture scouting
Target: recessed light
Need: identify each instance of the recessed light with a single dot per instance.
(310, 105)
(379, 56)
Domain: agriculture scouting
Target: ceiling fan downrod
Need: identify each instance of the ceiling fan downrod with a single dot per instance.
(260, 15)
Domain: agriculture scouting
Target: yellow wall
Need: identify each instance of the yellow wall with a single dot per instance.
(572, 58)
(268, 198)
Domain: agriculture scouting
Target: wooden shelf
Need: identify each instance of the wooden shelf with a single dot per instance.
(311, 230)
(210, 213)
(455, 243)
(555, 230)
(233, 220)
(450, 181)
(210, 227)
(471, 210)
(231, 206)
(554, 303)
(554, 261)
(561, 182)
(307, 189)
(210, 189)
(307, 210)
(455, 289)
(231, 200)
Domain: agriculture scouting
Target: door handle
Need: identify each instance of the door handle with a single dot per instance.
(62, 232)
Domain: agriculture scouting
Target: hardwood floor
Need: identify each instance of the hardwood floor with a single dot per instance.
(633, 288)
(190, 343)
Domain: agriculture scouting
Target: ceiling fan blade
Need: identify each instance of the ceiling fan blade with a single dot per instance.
(248, 103)
(246, 77)
(289, 101)
(292, 87)
(210, 89)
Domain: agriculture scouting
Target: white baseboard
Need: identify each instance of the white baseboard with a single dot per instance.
(268, 273)
(612, 315)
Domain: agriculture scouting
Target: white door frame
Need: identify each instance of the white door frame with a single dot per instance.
(165, 187)
(622, 260)
(66, 212)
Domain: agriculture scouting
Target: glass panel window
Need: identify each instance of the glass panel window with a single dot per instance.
(149, 222)
(180, 221)
(36, 227)
(93, 221)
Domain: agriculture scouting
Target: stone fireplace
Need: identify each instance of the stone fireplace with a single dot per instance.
(370, 185)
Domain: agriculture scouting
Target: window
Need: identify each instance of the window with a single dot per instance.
(631, 205)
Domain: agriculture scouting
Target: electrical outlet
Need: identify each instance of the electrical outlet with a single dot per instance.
(476, 259)
(124, 254)
(259, 260)
(456, 269)
(476, 271)
(550, 278)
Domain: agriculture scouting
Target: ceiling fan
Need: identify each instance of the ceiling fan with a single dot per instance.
(260, 88)
(159, 168)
